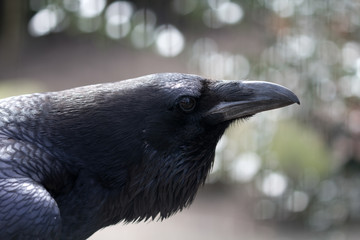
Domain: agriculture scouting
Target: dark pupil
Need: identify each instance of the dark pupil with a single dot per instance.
(187, 104)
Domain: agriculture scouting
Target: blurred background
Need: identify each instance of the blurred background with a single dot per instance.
(287, 174)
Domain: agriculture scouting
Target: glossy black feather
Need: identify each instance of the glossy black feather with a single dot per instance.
(75, 161)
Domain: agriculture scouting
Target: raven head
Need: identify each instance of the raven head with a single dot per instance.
(153, 138)
(183, 117)
(187, 110)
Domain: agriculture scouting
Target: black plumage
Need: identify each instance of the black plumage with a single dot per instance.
(74, 161)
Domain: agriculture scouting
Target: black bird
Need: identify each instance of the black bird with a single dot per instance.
(75, 161)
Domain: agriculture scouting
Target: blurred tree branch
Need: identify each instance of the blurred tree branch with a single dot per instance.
(13, 21)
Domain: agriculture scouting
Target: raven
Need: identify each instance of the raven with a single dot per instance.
(75, 161)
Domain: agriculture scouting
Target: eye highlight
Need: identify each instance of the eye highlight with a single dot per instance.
(187, 104)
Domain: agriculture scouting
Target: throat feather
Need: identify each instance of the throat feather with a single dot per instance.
(163, 185)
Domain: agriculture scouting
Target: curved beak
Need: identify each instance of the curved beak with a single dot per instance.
(241, 99)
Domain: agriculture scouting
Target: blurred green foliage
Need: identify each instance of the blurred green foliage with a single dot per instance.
(15, 87)
(299, 149)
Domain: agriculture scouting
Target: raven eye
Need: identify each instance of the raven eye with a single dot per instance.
(187, 104)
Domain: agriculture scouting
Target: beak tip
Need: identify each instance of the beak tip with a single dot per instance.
(296, 100)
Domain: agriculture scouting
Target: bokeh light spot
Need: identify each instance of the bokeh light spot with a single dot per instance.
(142, 35)
(118, 16)
(91, 8)
(350, 53)
(245, 167)
(211, 19)
(302, 46)
(274, 184)
(116, 29)
(45, 21)
(121, 10)
(230, 13)
(169, 41)
(297, 201)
